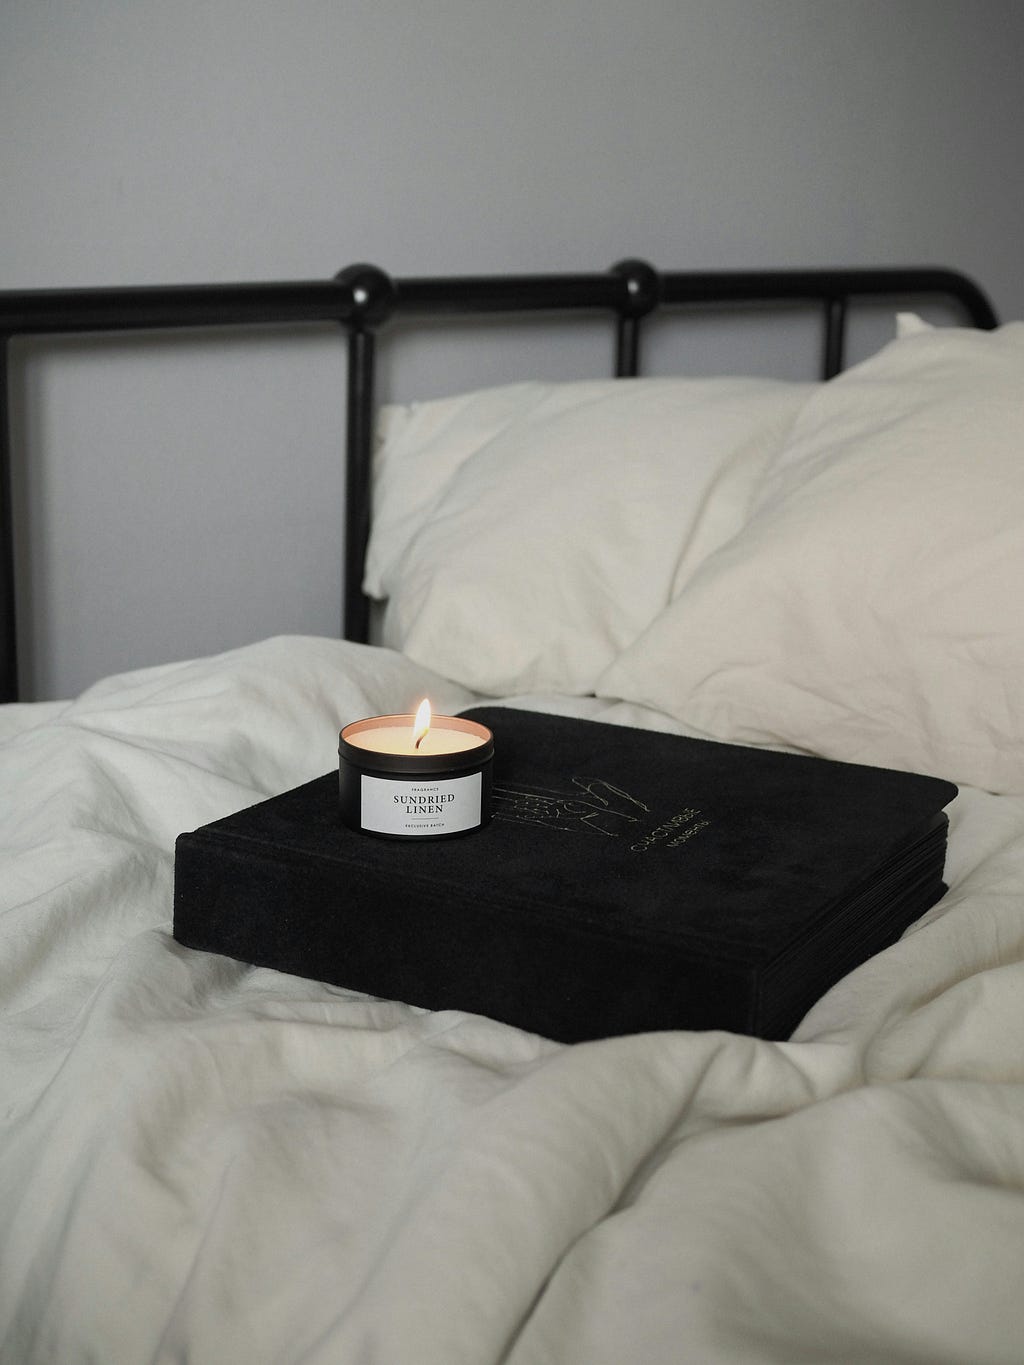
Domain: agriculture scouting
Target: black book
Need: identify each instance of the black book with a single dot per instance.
(628, 881)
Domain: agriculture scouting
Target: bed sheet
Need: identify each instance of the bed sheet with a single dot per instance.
(204, 1161)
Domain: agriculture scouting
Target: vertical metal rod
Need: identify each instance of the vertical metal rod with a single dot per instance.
(835, 332)
(627, 352)
(359, 460)
(8, 617)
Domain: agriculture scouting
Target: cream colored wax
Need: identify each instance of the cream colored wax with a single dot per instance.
(397, 739)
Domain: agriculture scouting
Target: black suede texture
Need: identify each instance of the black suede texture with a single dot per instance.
(628, 881)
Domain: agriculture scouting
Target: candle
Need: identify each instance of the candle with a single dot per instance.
(419, 776)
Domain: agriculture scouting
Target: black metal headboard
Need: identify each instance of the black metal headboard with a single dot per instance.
(362, 299)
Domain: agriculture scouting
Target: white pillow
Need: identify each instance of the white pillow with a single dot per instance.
(523, 536)
(871, 609)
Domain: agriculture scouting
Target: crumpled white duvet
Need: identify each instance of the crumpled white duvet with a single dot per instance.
(206, 1162)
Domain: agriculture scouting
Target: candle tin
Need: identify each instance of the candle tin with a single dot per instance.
(415, 796)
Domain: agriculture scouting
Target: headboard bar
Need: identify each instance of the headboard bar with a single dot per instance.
(362, 298)
(8, 622)
(835, 337)
(355, 623)
(154, 307)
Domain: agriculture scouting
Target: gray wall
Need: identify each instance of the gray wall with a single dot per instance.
(182, 497)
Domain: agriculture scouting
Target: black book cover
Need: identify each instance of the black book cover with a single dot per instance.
(629, 880)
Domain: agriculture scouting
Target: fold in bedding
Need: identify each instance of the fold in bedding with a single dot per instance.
(205, 1161)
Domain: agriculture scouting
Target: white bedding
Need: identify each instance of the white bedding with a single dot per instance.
(206, 1162)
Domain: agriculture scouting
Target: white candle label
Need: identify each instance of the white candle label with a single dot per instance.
(433, 806)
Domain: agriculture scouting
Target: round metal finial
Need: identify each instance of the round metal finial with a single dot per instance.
(372, 293)
(642, 287)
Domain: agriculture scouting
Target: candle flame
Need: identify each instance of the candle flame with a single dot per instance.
(421, 724)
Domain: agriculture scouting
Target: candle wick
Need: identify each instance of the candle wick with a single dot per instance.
(420, 740)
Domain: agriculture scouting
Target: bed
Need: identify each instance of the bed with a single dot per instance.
(201, 1160)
